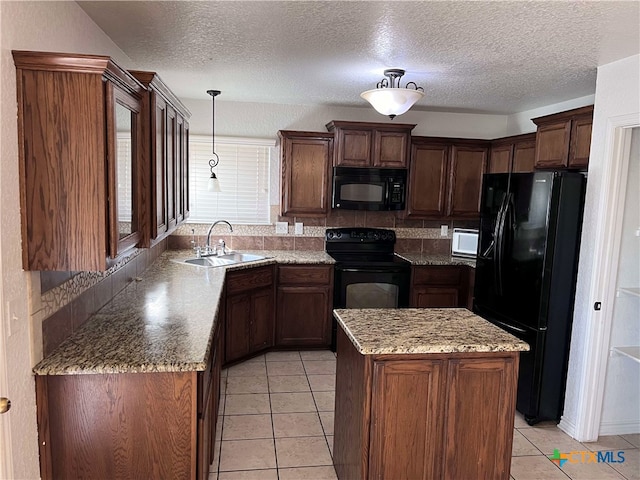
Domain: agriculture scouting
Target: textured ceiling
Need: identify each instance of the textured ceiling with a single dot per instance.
(475, 56)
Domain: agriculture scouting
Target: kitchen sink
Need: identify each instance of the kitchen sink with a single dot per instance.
(222, 260)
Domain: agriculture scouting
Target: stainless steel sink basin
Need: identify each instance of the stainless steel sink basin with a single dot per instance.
(222, 260)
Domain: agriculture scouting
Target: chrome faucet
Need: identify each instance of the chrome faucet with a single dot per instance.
(207, 246)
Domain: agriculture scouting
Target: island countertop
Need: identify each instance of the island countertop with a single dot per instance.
(423, 330)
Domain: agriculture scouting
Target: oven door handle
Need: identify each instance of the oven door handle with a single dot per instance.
(368, 270)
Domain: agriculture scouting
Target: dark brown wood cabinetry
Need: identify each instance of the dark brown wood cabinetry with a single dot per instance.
(165, 142)
(360, 144)
(563, 139)
(445, 177)
(129, 425)
(304, 299)
(437, 286)
(82, 178)
(418, 415)
(249, 325)
(306, 173)
(513, 154)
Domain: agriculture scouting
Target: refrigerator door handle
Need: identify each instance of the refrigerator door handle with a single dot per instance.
(506, 326)
(499, 250)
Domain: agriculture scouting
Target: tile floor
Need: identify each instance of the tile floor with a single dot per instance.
(276, 423)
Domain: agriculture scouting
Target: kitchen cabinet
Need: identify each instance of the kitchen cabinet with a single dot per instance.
(249, 312)
(418, 415)
(513, 154)
(361, 144)
(436, 286)
(445, 177)
(563, 139)
(304, 299)
(165, 140)
(306, 173)
(129, 425)
(82, 174)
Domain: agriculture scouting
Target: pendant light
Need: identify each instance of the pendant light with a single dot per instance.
(213, 185)
(388, 98)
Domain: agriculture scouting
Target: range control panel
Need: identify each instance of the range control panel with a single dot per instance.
(360, 235)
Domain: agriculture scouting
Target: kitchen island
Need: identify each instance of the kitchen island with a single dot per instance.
(423, 394)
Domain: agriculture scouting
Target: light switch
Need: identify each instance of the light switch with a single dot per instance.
(299, 228)
(282, 227)
(444, 230)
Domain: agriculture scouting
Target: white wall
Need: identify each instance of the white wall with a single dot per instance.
(44, 26)
(617, 94)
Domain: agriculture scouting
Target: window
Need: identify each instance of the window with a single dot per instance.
(243, 173)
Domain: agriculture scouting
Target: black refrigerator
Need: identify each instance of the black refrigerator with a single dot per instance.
(526, 271)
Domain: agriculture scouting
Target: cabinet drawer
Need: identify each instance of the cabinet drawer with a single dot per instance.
(304, 275)
(245, 280)
(436, 275)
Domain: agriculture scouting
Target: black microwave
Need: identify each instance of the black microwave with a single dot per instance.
(357, 188)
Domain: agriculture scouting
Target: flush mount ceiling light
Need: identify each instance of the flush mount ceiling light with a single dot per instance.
(214, 184)
(388, 98)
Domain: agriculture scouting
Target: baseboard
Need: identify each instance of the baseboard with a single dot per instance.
(619, 428)
(568, 427)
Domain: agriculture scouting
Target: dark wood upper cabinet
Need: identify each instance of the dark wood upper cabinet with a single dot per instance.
(363, 144)
(563, 139)
(513, 154)
(468, 164)
(166, 144)
(79, 133)
(306, 172)
(428, 174)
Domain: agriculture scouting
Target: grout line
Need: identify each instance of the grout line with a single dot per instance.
(273, 430)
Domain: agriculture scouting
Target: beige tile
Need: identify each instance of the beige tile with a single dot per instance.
(320, 367)
(630, 468)
(608, 442)
(297, 425)
(522, 446)
(633, 439)
(285, 368)
(246, 427)
(292, 402)
(550, 438)
(224, 373)
(256, 359)
(322, 383)
(251, 369)
(223, 385)
(519, 421)
(237, 385)
(327, 420)
(219, 428)
(213, 476)
(302, 452)
(590, 471)
(223, 399)
(330, 443)
(535, 468)
(216, 456)
(247, 455)
(307, 473)
(288, 383)
(245, 404)
(282, 356)
(271, 474)
(325, 401)
(318, 355)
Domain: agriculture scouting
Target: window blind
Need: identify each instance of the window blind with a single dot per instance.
(243, 173)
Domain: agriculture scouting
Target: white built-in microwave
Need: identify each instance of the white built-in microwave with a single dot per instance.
(465, 242)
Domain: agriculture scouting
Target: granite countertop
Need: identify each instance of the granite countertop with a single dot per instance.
(424, 330)
(161, 322)
(436, 259)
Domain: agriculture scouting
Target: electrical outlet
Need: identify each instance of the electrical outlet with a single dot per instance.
(282, 227)
(299, 228)
(444, 230)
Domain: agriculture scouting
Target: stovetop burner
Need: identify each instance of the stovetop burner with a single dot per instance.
(363, 246)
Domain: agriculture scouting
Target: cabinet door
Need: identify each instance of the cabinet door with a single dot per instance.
(238, 317)
(500, 161)
(353, 148)
(427, 180)
(185, 170)
(306, 174)
(434, 297)
(407, 446)
(468, 164)
(524, 157)
(390, 149)
(178, 169)
(171, 166)
(580, 141)
(481, 399)
(262, 318)
(205, 438)
(159, 166)
(552, 145)
(303, 316)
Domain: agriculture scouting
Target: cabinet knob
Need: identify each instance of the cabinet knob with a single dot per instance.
(5, 404)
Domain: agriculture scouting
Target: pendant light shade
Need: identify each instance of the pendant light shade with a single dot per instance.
(389, 99)
(213, 185)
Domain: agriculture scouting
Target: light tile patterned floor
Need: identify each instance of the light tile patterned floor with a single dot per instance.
(276, 423)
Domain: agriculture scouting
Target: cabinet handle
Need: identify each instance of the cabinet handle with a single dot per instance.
(5, 405)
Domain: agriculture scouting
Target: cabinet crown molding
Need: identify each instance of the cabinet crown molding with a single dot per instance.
(568, 115)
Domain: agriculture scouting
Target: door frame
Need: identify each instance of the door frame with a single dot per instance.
(603, 282)
(6, 453)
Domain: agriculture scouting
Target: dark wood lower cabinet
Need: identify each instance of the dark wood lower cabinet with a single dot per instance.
(439, 286)
(418, 416)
